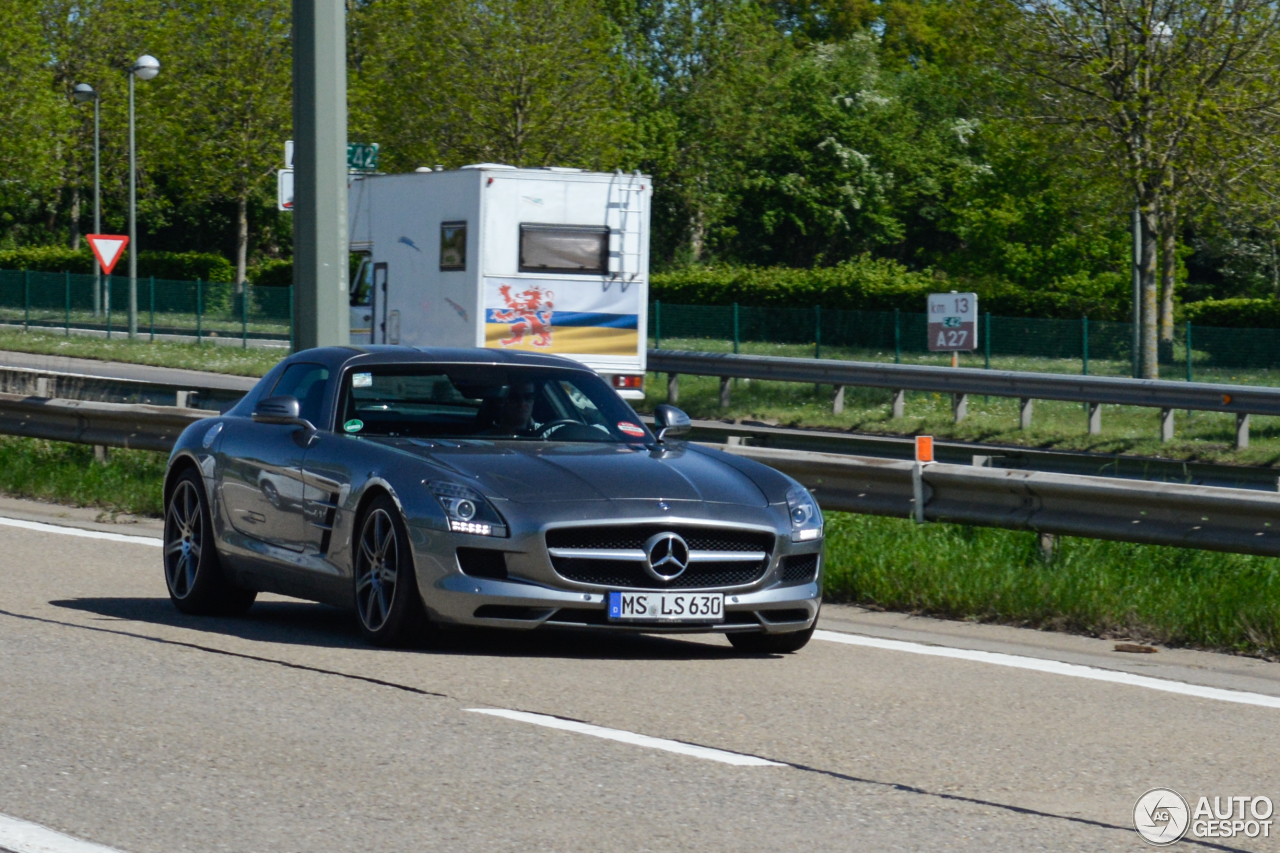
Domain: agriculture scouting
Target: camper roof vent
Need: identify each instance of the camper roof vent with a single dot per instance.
(559, 169)
(487, 166)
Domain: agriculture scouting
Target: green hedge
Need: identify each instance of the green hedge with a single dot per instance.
(276, 273)
(184, 266)
(1234, 313)
(875, 284)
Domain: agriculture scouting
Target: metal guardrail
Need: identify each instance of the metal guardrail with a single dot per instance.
(1172, 514)
(1095, 391)
(1003, 456)
(1180, 515)
(128, 425)
(41, 382)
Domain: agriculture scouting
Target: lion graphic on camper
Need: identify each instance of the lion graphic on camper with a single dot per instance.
(528, 313)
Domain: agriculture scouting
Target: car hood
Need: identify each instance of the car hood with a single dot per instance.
(545, 471)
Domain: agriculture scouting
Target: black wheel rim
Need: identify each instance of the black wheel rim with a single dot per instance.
(377, 564)
(183, 538)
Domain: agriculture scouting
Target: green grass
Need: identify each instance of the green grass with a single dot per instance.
(1169, 595)
(218, 359)
(1175, 596)
(130, 481)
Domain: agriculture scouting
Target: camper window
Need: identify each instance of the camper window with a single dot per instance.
(564, 248)
(453, 246)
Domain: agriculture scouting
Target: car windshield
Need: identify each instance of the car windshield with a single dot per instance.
(486, 401)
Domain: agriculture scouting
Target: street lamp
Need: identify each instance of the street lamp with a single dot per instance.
(83, 92)
(146, 68)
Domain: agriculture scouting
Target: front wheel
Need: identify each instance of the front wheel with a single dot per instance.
(778, 644)
(192, 570)
(386, 590)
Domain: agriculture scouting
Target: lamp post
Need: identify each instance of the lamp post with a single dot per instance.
(83, 92)
(146, 68)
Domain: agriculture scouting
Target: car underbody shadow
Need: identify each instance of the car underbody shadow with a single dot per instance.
(309, 624)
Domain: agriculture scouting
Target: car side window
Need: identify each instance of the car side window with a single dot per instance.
(307, 382)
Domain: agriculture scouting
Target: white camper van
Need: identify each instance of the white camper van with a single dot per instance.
(538, 260)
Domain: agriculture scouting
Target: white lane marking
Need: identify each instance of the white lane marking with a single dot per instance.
(1055, 667)
(676, 746)
(77, 531)
(21, 836)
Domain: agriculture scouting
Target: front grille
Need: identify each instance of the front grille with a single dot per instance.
(799, 568)
(631, 574)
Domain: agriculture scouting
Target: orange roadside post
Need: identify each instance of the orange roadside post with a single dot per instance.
(924, 448)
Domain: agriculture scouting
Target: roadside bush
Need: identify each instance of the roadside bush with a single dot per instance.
(877, 284)
(1234, 313)
(274, 273)
(177, 266)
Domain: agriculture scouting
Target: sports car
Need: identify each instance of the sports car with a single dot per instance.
(426, 488)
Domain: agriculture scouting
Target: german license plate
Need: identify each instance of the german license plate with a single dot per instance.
(666, 607)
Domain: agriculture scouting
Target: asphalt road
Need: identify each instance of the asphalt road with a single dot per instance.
(129, 725)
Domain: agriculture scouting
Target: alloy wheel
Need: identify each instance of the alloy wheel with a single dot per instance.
(183, 539)
(377, 564)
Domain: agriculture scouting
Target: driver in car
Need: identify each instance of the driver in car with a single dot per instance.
(515, 411)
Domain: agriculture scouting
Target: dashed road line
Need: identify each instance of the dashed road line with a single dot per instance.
(20, 836)
(736, 758)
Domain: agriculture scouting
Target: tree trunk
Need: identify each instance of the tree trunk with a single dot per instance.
(75, 218)
(697, 235)
(242, 241)
(1150, 291)
(1168, 271)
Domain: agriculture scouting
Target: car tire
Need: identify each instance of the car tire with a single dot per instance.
(388, 606)
(192, 569)
(778, 644)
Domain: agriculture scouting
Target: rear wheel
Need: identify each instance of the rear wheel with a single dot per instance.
(386, 590)
(778, 644)
(192, 570)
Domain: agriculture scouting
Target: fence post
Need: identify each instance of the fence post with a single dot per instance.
(817, 331)
(988, 365)
(67, 279)
(735, 328)
(199, 294)
(244, 316)
(1189, 351)
(1084, 343)
(657, 322)
(153, 309)
(897, 336)
(26, 299)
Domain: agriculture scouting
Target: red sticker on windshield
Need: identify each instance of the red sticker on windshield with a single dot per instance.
(631, 429)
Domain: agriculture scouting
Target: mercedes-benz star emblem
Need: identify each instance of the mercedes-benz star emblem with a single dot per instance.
(666, 556)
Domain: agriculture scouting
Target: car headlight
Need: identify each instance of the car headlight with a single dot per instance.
(467, 510)
(806, 518)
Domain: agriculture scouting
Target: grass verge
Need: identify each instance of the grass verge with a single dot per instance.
(1173, 596)
(211, 357)
(131, 481)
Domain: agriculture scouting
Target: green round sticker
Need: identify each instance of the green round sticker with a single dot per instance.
(353, 425)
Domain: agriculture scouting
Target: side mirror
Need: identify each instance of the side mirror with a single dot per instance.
(283, 410)
(670, 422)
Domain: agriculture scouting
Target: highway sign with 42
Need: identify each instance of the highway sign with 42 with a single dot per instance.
(953, 322)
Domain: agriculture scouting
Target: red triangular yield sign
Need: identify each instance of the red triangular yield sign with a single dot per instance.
(107, 248)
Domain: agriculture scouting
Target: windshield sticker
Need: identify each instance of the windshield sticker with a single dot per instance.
(354, 425)
(631, 429)
(362, 380)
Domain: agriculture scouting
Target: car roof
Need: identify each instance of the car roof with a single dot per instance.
(337, 358)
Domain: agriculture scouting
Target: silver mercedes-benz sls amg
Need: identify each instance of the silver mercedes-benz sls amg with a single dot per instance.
(435, 487)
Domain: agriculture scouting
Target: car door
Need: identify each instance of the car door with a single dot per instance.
(261, 464)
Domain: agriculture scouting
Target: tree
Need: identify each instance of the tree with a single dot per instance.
(229, 109)
(1139, 80)
(525, 82)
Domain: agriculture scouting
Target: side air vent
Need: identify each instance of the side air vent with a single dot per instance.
(800, 568)
(483, 563)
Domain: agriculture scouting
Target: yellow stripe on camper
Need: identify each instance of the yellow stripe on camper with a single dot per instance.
(585, 340)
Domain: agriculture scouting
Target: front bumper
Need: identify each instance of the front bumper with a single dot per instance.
(535, 595)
